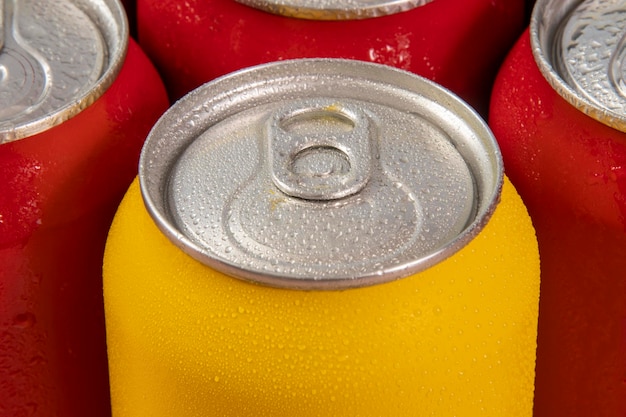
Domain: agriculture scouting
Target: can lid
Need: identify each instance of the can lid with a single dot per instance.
(334, 9)
(580, 46)
(56, 58)
(320, 173)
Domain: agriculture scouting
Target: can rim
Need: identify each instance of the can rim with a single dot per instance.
(545, 23)
(115, 33)
(319, 10)
(160, 143)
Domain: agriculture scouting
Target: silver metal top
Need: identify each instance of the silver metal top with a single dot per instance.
(334, 9)
(580, 47)
(320, 174)
(56, 58)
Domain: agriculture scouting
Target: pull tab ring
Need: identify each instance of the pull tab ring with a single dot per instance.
(319, 149)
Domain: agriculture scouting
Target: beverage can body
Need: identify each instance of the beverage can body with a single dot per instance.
(567, 161)
(245, 292)
(186, 339)
(193, 42)
(64, 171)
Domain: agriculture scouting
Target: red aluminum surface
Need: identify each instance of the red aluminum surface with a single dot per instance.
(59, 191)
(571, 172)
(457, 43)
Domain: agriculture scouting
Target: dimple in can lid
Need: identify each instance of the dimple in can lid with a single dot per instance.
(334, 9)
(56, 58)
(320, 174)
(580, 47)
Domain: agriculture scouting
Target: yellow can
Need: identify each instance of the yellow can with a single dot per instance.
(395, 277)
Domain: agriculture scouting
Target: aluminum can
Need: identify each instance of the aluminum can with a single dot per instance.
(194, 41)
(321, 237)
(559, 113)
(77, 100)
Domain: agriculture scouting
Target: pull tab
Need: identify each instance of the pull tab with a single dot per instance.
(320, 150)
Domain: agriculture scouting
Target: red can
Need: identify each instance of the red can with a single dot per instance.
(457, 43)
(559, 113)
(77, 99)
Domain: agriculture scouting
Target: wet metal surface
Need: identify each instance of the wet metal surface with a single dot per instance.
(57, 58)
(320, 174)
